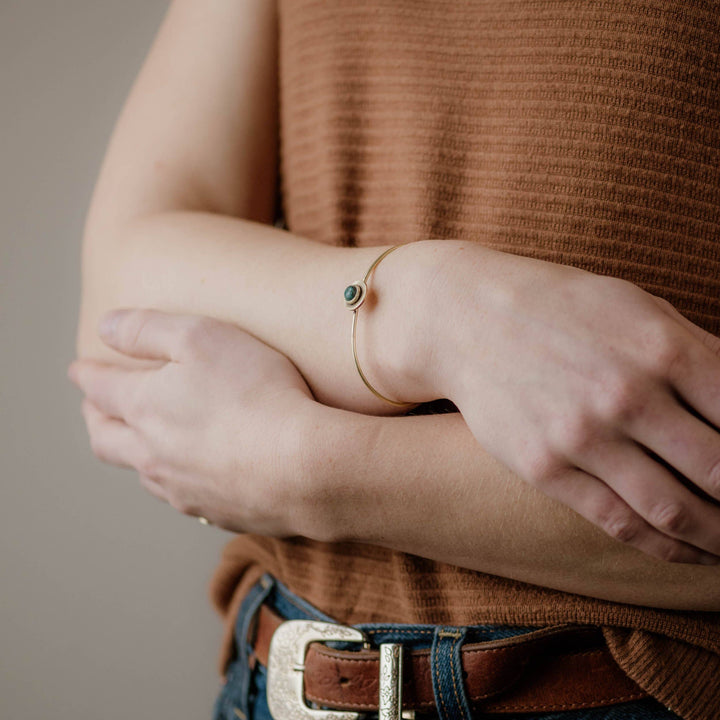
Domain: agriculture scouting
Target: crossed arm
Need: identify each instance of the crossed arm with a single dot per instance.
(178, 223)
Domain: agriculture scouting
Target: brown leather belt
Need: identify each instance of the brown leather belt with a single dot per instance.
(555, 668)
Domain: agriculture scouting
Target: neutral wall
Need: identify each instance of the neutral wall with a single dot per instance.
(103, 589)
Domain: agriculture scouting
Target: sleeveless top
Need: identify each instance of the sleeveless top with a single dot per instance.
(583, 132)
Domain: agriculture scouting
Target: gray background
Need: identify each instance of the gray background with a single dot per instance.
(103, 589)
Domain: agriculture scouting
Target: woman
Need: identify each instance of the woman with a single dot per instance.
(551, 170)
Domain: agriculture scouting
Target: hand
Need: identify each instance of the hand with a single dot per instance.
(594, 391)
(213, 428)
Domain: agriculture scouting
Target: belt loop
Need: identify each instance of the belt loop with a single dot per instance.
(245, 630)
(447, 673)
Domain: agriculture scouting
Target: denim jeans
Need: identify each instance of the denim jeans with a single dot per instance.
(243, 697)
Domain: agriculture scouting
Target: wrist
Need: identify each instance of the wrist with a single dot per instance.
(412, 330)
(309, 471)
(293, 481)
(336, 447)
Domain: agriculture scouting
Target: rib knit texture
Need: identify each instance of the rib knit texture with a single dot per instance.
(583, 132)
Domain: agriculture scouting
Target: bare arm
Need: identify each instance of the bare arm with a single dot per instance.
(423, 485)
(178, 220)
(284, 289)
(176, 224)
(272, 461)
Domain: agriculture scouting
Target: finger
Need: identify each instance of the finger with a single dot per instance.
(112, 441)
(711, 342)
(149, 334)
(655, 494)
(685, 442)
(695, 370)
(109, 387)
(596, 502)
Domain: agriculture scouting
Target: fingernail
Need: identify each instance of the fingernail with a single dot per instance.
(108, 324)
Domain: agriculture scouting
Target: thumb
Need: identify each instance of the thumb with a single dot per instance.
(149, 334)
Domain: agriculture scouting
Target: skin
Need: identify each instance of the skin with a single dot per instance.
(178, 223)
(271, 460)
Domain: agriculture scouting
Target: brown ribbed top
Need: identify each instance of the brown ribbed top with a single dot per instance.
(584, 132)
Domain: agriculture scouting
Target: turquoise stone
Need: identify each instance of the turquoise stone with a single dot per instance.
(351, 292)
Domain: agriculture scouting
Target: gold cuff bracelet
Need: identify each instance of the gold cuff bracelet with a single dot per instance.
(355, 295)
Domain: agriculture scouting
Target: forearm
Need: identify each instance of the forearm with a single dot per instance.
(284, 289)
(179, 218)
(514, 354)
(423, 485)
(545, 361)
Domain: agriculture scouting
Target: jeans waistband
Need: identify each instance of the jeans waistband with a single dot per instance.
(290, 606)
(241, 691)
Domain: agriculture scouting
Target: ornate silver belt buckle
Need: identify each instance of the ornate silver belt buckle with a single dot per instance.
(286, 665)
